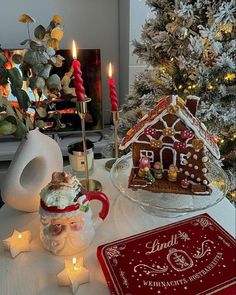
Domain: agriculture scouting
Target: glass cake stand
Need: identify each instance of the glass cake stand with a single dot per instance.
(169, 204)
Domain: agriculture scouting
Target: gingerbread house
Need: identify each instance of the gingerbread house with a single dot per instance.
(172, 136)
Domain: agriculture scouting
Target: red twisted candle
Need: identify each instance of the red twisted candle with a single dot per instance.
(79, 88)
(113, 94)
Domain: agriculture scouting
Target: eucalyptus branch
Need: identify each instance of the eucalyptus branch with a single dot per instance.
(28, 30)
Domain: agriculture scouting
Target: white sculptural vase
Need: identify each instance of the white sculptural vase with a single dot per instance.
(31, 169)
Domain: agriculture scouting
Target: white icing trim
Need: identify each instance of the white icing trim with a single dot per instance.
(164, 122)
(188, 139)
(176, 122)
(139, 185)
(198, 179)
(174, 99)
(188, 155)
(186, 173)
(186, 116)
(148, 124)
(183, 160)
(196, 167)
(173, 152)
(205, 159)
(174, 140)
(204, 170)
(148, 143)
(193, 97)
(201, 193)
(203, 126)
(192, 176)
(142, 141)
(167, 144)
(144, 117)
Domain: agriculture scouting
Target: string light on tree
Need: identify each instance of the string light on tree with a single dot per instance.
(230, 76)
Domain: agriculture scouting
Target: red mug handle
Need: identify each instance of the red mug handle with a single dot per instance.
(102, 198)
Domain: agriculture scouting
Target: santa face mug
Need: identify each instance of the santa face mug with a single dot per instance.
(68, 228)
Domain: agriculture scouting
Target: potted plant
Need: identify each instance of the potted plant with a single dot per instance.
(31, 71)
(38, 155)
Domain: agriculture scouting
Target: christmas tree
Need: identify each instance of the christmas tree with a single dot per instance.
(189, 47)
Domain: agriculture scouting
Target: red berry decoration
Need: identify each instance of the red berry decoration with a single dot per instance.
(186, 134)
(150, 131)
(184, 183)
(180, 145)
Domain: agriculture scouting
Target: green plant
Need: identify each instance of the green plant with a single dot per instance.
(34, 72)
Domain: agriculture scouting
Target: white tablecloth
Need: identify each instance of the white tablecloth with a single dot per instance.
(34, 273)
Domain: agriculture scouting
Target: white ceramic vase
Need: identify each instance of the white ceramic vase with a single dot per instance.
(31, 169)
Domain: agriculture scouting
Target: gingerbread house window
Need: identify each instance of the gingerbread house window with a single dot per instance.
(149, 154)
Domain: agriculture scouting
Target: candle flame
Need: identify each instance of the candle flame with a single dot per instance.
(74, 261)
(74, 50)
(20, 236)
(110, 70)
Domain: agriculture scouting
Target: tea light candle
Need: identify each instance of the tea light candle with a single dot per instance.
(18, 242)
(74, 274)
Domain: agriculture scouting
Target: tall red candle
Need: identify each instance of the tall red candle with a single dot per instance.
(78, 81)
(113, 94)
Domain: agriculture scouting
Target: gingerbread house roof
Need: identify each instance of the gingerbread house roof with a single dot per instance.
(178, 106)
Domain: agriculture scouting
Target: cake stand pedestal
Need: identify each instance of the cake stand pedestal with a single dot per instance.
(169, 204)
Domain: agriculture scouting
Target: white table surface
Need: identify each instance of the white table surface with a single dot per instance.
(34, 273)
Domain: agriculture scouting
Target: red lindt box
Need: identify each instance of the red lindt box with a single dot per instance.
(195, 256)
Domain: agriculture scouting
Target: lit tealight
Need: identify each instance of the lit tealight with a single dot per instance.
(18, 242)
(74, 261)
(74, 274)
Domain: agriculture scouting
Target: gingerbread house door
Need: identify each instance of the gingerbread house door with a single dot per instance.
(168, 156)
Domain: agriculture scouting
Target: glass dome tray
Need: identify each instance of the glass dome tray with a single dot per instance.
(169, 204)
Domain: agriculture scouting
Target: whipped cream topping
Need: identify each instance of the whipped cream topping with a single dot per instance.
(61, 191)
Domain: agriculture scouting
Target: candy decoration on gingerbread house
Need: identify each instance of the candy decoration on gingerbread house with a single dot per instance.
(175, 146)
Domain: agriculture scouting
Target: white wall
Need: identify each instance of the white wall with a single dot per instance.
(138, 13)
(124, 37)
(93, 23)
